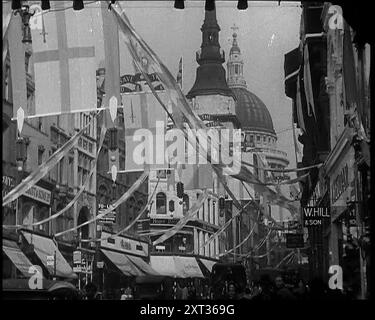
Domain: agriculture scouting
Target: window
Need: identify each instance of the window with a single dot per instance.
(258, 138)
(251, 139)
(161, 201)
(213, 221)
(40, 155)
(236, 69)
(186, 206)
(264, 139)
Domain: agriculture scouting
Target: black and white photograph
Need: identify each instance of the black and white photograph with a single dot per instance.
(186, 150)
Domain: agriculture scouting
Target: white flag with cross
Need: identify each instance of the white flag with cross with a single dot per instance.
(64, 62)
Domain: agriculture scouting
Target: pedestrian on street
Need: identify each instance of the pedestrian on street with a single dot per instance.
(232, 291)
(185, 291)
(282, 292)
(300, 291)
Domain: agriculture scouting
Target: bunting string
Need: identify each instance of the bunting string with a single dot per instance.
(149, 203)
(182, 222)
(76, 197)
(242, 242)
(112, 207)
(45, 167)
(137, 47)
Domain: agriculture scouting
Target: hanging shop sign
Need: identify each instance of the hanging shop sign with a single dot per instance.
(124, 244)
(294, 240)
(39, 194)
(143, 225)
(341, 184)
(313, 216)
(110, 218)
(77, 257)
(8, 185)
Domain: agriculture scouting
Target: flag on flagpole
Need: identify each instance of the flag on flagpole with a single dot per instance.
(111, 60)
(179, 74)
(308, 83)
(300, 119)
(64, 62)
(17, 64)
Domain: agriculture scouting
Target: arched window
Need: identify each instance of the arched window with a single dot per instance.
(161, 203)
(236, 69)
(186, 204)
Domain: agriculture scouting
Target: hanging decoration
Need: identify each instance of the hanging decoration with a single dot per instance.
(182, 222)
(179, 103)
(45, 167)
(148, 204)
(112, 207)
(76, 197)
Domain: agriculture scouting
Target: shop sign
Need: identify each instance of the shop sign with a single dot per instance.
(124, 244)
(8, 185)
(77, 268)
(50, 260)
(341, 184)
(109, 218)
(313, 216)
(77, 257)
(294, 240)
(143, 225)
(39, 194)
(100, 264)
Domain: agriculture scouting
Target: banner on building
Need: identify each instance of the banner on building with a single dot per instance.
(313, 216)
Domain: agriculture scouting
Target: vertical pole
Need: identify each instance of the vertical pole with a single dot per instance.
(54, 265)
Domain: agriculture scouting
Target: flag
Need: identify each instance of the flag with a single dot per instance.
(179, 74)
(111, 60)
(308, 83)
(17, 64)
(64, 62)
(143, 111)
(349, 73)
(7, 16)
(300, 119)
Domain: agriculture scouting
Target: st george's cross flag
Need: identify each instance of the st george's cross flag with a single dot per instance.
(64, 61)
(143, 114)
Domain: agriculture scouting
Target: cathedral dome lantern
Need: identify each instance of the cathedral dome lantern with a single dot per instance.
(250, 109)
(210, 77)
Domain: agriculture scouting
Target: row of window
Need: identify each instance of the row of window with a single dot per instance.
(250, 138)
(207, 213)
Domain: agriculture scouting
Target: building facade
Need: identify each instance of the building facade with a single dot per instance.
(337, 136)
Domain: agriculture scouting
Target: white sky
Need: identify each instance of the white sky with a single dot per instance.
(266, 32)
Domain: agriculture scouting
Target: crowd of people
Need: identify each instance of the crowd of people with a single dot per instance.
(262, 290)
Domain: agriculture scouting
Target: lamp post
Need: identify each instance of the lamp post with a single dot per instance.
(21, 157)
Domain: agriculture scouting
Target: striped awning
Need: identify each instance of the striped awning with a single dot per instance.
(176, 266)
(45, 247)
(123, 263)
(143, 265)
(18, 258)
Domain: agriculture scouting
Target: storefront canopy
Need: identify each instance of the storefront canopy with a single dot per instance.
(15, 254)
(123, 263)
(176, 266)
(143, 266)
(45, 247)
(208, 264)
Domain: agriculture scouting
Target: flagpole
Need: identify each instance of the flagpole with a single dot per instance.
(295, 154)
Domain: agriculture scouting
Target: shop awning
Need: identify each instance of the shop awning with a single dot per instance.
(123, 263)
(143, 265)
(15, 254)
(45, 247)
(189, 267)
(176, 266)
(208, 264)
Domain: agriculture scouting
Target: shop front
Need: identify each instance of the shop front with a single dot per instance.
(343, 242)
(120, 260)
(43, 251)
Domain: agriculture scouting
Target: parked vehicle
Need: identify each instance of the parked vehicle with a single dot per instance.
(19, 289)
